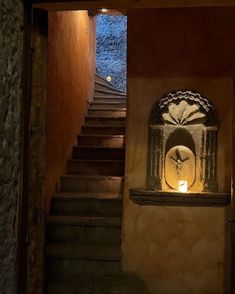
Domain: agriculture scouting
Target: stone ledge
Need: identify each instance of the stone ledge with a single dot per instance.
(160, 198)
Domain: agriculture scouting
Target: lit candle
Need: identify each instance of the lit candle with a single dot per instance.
(183, 186)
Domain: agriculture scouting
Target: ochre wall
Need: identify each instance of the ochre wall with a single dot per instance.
(71, 68)
(177, 249)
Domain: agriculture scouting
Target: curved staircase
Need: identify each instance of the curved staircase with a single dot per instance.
(84, 226)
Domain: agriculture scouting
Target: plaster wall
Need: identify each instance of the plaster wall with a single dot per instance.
(11, 65)
(177, 249)
(71, 68)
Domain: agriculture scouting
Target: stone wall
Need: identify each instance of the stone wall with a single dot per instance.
(111, 44)
(11, 23)
(36, 196)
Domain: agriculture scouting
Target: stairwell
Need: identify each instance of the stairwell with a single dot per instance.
(84, 226)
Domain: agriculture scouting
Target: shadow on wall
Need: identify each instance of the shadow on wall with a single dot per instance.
(111, 44)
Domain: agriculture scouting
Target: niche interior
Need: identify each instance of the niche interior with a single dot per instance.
(182, 147)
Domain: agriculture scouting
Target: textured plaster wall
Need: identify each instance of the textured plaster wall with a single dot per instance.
(177, 249)
(111, 46)
(11, 40)
(71, 68)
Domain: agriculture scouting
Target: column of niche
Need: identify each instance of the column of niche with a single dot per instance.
(155, 165)
(208, 159)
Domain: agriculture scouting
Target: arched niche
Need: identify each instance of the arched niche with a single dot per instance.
(182, 144)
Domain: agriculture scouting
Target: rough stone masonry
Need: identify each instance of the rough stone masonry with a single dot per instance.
(111, 46)
(11, 57)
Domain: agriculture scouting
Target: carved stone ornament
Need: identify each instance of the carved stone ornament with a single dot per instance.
(183, 130)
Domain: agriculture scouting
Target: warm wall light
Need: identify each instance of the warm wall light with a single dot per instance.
(183, 186)
(108, 78)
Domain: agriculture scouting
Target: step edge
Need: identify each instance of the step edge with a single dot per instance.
(105, 117)
(109, 92)
(103, 278)
(108, 109)
(97, 160)
(84, 196)
(111, 87)
(108, 253)
(94, 176)
(85, 221)
(101, 136)
(100, 147)
(102, 126)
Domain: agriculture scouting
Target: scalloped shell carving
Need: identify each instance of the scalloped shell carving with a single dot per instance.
(183, 113)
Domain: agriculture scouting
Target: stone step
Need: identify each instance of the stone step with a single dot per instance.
(103, 85)
(97, 152)
(72, 259)
(91, 184)
(88, 252)
(102, 81)
(109, 92)
(110, 112)
(100, 120)
(109, 99)
(101, 140)
(96, 167)
(87, 204)
(103, 130)
(94, 284)
(84, 230)
(102, 105)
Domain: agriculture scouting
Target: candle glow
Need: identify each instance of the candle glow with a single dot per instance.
(183, 186)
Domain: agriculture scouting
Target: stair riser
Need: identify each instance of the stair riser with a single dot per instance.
(86, 207)
(109, 99)
(81, 266)
(101, 141)
(103, 130)
(102, 80)
(94, 153)
(108, 113)
(108, 92)
(105, 121)
(105, 87)
(92, 288)
(71, 184)
(107, 105)
(96, 168)
(78, 234)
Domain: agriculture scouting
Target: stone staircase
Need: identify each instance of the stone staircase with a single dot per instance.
(84, 226)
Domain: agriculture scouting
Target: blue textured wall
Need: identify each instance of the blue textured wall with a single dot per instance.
(111, 44)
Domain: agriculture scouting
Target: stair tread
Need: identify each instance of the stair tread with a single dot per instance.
(85, 221)
(110, 92)
(108, 109)
(109, 103)
(101, 135)
(104, 279)
(101, 116)
(111, 96)
(103, 126)
(97, 252)
(101, 147)
(98, 177)
(97, 160)
(89, 196)
(103, 81)
(106, 85)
